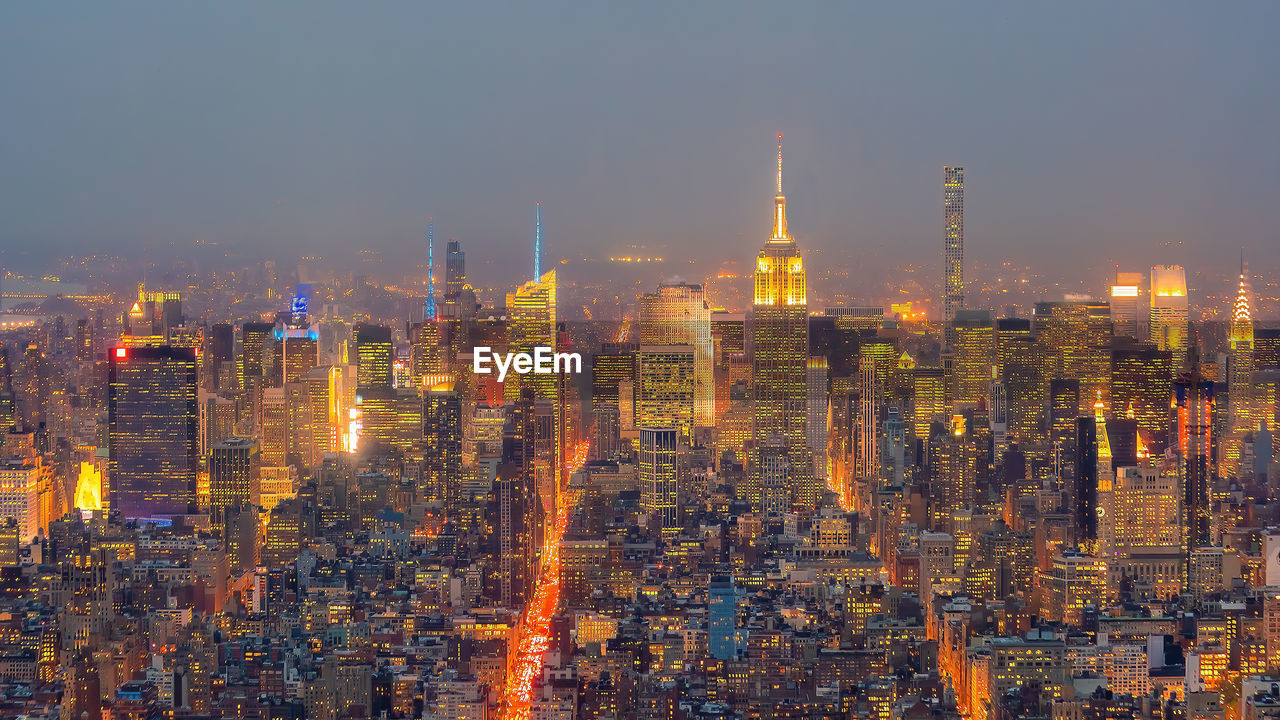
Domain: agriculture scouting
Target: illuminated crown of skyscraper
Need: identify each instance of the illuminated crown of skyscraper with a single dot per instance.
(1241, 314)
(780, 204)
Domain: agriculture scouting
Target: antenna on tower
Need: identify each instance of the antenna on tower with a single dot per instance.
(429, 305)
(779, 163)
(537, 241)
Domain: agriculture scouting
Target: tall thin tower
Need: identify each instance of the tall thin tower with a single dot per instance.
(537, 241)
(779, 341)
(953, 249)
(429, 305)
(1240, 375)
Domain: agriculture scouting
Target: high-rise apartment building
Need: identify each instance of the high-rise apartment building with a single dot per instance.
(779, 347)
(953, 245)
(154, 415)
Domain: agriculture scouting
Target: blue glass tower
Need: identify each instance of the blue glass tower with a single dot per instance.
(722, 609)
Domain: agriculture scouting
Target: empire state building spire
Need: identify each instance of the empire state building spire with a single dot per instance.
(780, 203)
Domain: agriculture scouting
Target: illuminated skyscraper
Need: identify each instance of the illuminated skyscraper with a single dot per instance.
(842, 437)
(1240, 376)
(867, 462)
(779, 330)
(677, 314)
(154, 418)
(1142, 383)
(531, 323)
(1073, 581)
(153, 317)
(929, 404)
(1076, 337)
(234, 475)
(1064, 409)
(1140, 529)
(429, 303)
(374, 350)
(816, 406)
(391, 418)
(974, 347)
(19, 497)
(953, 248)
(731, 371)
(316, 409)
(998, 411)
(425, 356)
(255, 339)
(1169, 309)
(442, 447)
(221, 356)
(513, 512)
(1193, 405)
(953, 461)
(1021, 367)
(1126, 295)
(613, 374)
(665, 390)
(455, 269)
(659, 478)
(301, 348)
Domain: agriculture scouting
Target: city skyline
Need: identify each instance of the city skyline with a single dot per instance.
(1148, 161)
(622, 447)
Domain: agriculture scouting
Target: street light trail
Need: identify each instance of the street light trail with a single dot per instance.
(533, 635)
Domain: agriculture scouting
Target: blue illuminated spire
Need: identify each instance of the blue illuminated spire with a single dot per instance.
(429, 305)
(537, 242)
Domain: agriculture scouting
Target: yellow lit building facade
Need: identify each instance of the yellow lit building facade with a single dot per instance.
(779, 339)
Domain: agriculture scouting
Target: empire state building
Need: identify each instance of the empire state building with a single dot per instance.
(781, 476)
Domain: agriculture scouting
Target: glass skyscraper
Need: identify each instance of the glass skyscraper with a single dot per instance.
(154, 417)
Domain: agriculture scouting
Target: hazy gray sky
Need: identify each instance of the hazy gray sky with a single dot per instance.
(1091, 132)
